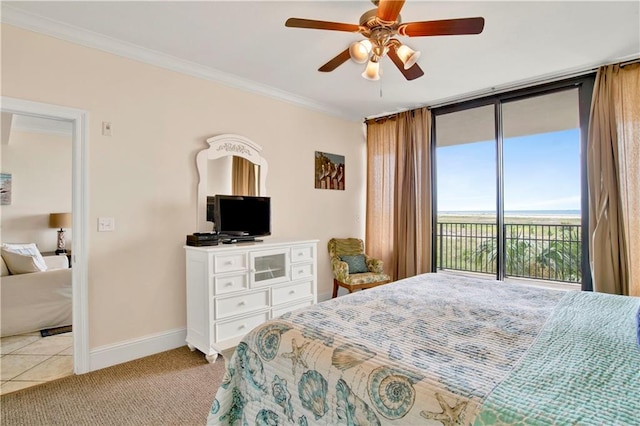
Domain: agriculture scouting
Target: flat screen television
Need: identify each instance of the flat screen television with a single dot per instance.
(240, 217)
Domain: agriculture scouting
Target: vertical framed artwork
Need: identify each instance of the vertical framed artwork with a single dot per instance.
(329, 171)
(5, 189)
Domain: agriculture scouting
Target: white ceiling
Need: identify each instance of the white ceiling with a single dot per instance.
(25, 123)
(245, 44)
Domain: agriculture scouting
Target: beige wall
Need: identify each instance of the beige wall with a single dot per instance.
(40, 168)
(144, 175)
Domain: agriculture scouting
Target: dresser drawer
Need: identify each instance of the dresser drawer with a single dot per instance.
(229, 262)
(242, 303)
(230, 283)
(303, 270)
(239, 327)
(276, 312)
(291, 292)
(302, 254)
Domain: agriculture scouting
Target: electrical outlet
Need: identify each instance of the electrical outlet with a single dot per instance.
(106, 224)
(106, 128)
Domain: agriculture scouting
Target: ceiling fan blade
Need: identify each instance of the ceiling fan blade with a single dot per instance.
(389, 10)
(334, 63)
(321, 25)
(442, 27)
(412, 73)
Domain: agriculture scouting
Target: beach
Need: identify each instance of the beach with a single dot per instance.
(525, 218)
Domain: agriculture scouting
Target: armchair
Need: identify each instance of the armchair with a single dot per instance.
(352, 268)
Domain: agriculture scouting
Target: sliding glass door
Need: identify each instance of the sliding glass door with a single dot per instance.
(466, 190)
(509, 184)
(541, 158)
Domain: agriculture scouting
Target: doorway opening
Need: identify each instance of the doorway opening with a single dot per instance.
(77, 120)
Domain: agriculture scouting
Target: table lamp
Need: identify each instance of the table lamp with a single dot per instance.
(60, 220)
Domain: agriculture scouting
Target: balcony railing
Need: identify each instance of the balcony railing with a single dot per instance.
(544, 252)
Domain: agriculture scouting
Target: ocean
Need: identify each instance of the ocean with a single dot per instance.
(519, 213)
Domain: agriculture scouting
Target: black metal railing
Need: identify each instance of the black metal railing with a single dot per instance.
(540, 251)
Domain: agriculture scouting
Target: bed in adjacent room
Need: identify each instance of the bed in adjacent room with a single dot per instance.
(442, 350)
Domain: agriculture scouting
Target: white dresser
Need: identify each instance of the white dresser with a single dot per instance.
(232, 288)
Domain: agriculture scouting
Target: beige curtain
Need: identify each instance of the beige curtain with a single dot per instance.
(398, 225)
(244, 177)
(613, 158)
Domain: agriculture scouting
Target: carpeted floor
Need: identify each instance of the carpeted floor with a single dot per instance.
(176, 387)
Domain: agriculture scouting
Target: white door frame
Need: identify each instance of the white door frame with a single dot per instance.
(80, 208)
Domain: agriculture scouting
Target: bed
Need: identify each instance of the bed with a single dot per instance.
(442, 350)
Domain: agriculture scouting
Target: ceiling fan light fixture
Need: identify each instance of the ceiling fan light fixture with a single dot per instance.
(379, 27)
(372, 72)
(359, 51)
(407, 55)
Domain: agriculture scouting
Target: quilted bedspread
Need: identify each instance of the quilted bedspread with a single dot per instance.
(442, 350)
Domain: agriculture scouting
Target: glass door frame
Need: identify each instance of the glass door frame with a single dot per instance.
(585, 85)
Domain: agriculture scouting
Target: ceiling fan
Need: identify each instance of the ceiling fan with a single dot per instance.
(379, 27)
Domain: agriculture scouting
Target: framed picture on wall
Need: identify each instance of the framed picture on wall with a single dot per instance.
(5, 189)
(329, 171)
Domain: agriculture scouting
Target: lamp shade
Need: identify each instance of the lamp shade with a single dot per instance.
(60, 220)
(408, 56)
(359, 51)
(372, 72)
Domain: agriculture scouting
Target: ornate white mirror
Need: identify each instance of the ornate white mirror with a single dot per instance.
(231, 165)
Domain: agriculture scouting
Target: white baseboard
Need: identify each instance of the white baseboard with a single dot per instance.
(106, 356)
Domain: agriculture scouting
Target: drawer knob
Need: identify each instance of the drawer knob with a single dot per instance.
(229, 284)
(241, 327)
(300, 254)
(228, 262)
(241, 303)
(292, 292)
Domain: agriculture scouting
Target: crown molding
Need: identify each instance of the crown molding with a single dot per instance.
(24, 123)
(60, 30)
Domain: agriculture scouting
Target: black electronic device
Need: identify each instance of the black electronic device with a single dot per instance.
(241, 218)
(200, 239)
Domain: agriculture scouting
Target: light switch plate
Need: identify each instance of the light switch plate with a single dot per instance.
(106, 128)
(106, 224)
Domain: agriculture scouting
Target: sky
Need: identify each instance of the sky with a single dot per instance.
(541, 172)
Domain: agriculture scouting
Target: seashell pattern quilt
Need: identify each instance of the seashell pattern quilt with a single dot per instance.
(438, 349)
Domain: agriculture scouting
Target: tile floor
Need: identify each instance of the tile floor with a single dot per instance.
(29, 359)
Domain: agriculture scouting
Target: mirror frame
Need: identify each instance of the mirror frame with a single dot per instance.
(224, 146)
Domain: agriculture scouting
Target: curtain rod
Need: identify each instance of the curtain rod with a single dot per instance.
(515, 86)
(534, 82)
(629, 62)
(508, 88)
(488, 92)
